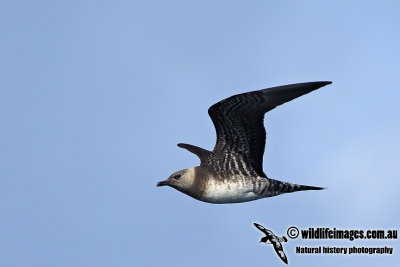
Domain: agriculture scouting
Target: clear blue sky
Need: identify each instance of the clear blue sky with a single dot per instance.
(95, 95)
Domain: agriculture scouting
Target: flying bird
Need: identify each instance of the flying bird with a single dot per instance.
(274, 240)
(233, 171)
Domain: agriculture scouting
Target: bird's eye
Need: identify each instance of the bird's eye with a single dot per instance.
(177, 176)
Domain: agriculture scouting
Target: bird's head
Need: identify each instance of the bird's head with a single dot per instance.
(182, 180)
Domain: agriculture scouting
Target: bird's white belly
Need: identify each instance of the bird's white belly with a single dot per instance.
(229, 192)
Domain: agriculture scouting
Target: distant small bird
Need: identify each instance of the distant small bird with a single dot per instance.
(233, 171)
(275, 241)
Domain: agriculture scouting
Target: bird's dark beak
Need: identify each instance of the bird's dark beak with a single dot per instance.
(162, 183)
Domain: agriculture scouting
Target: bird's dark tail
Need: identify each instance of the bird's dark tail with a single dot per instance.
(277, 187)
(298, 187)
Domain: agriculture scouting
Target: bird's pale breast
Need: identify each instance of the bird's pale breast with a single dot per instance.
(232, 190)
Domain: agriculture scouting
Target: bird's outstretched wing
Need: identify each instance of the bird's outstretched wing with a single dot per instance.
(279, 251)
(263, 229)
(238, 121)
(202, 153)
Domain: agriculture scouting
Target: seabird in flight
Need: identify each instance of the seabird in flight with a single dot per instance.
(274, 240)
(233, 172)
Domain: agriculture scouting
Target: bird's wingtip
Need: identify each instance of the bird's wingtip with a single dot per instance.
(323, 83)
